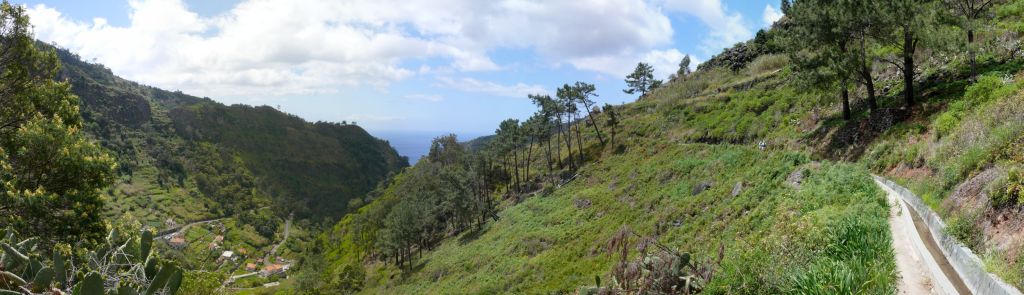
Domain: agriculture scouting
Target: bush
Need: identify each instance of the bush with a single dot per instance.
(986, 89)
(964, 227)
(1007, 191)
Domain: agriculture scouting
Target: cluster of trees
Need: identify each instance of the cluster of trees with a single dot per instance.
(446, 193)
(556, 122)
(837, 43)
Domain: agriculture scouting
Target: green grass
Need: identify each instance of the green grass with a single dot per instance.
(964, 129)
(774, 235)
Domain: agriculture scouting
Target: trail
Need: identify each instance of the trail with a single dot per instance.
(181, 228)
(287, 225)
(173, 231)
(922, 266)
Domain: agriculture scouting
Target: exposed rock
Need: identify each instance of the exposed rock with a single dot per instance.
(796, 178)
(582, 203)
(701, 187)
(971, 194)
(737, 189)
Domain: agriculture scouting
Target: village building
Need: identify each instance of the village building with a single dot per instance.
(251, 266)
(177, 243)
(273, 269)
(226, 256)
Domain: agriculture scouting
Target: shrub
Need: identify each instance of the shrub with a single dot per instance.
(986, 89)
(964, 227)
(1007, 190)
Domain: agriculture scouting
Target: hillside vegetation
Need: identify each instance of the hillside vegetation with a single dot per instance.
(749, 176)
(671, 193)
(226, 154)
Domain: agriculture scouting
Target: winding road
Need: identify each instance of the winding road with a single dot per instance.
(287, 225)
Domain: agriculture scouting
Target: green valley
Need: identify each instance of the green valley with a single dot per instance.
(759, 169)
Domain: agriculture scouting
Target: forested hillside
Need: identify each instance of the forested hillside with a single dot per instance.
(235, 157)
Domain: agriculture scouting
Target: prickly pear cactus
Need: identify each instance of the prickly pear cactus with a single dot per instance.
(124, 265)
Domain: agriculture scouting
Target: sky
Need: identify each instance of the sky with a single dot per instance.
(395, 66)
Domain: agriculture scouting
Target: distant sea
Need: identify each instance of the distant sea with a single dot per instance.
(415, 144)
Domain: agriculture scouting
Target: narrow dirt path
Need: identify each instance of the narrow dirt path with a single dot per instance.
(922, 266)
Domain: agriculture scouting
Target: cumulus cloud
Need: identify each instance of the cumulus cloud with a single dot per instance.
(518, 90)
(282, 47)
(725, 28)
(770, 15)
(665, 62)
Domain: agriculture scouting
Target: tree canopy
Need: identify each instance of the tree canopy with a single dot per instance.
(50, 173)
(641, 80)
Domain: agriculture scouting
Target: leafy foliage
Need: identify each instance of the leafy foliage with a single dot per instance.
(50, 174)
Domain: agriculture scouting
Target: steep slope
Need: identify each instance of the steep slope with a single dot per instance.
(683, 173)
(191, 158)
(313, 168)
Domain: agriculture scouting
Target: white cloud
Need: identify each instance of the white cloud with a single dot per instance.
(425, 97)
(518, 90)
(725, 28)
(665, 62)
(281, 47)
(770, 15)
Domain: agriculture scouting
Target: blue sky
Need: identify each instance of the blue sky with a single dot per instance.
(442, 66)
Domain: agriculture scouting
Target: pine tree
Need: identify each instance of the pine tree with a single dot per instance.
(641, 80)
(684, 67)
(970, 13)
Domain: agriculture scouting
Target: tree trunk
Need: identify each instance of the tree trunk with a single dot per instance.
(568, 142)
(869, 80)
(908, 67)
(971, 53)
(579, 141)
(846, 100)
(590, 116)
(515, 163)
(529, 158)
(547, 143)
